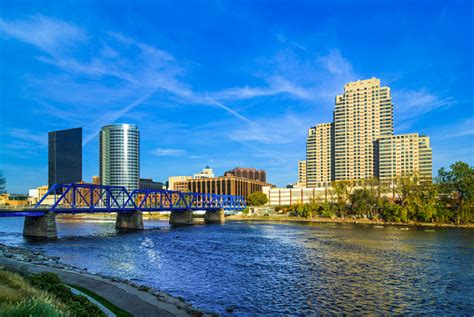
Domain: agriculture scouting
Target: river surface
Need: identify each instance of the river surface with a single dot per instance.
(274, 269)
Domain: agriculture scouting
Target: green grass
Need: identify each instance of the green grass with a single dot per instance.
(32, 307)
(114, 309)
(76, 305)
(45, 295)
(19, 298)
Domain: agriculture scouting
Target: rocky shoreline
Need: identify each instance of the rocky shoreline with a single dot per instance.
(348, 220)
(38, 258)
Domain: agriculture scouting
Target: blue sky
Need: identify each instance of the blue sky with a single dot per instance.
(225, 83)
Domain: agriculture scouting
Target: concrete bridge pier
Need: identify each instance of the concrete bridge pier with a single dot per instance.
(214, 216)
(184, 217)
(129, 220)
(41, 227)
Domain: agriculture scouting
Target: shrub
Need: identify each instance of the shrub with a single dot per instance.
(77, 305)
(257, 199)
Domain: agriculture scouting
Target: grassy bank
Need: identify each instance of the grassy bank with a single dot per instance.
(114, 309)
(45, 295)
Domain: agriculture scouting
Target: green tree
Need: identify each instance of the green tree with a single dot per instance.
(257, 199)
(342, 191)
(456, 187)
(363, 201)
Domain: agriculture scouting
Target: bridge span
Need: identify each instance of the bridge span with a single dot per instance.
(76, 198)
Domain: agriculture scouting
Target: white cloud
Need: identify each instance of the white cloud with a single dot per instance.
(169, 152)
(29, 137)
(463, 129)
(47, 34)
(335, 63)
(276, 85)
(414, 103)
(231, 111)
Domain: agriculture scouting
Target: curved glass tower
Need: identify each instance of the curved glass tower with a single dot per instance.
(120, 155)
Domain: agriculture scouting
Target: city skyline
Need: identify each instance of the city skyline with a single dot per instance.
(183, 82)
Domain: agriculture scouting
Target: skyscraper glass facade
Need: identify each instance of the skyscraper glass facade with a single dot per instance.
(120, 156)
(65, 156)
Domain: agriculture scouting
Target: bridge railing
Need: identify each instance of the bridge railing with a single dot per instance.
(78, 197)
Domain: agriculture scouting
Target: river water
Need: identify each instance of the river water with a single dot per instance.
(274, 269)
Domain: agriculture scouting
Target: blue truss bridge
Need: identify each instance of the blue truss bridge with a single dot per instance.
(77, 198)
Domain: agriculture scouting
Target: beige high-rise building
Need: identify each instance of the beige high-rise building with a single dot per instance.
(363, 114)
(301, 174)
(319, 156)
(360, 144)
(404, 155)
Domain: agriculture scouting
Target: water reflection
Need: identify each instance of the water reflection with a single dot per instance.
(280, 269)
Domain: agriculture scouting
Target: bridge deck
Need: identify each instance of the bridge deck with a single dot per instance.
(87, 198)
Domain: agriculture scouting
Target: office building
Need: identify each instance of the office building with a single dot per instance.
(148, 183)
(205, 173)
(301, 174)
(35, 194)
(179, 183)
(363, 114)
(96, 180)
(227, 185)
(13, 200)
(119, 160)
(289, 196)
(403, 155)
(249, 173)
(319, 148)
(65, 156)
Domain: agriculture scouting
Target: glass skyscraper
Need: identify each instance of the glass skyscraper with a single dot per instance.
(120, 156)
(65, 156)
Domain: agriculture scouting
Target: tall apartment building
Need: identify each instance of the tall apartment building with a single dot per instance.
(301, 174)
(65, 156)
(360, 144)
(363, 114)
(249, 173)
(319, 155)
(119, 157)
(404, 155)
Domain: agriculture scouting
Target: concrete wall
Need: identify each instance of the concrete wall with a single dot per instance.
(214, 216)
(41, 227)
(129, 220)
(181, 217)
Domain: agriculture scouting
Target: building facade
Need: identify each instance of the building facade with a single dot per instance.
(404, 155)
(362, 144)
(148, 183)
(289, 196)
(301, 174)
(96, 180)
(120, 156)
(363, 114)
(179, 183)
(65, 156)
(207, 172)
(249, 173)
(226, 185)
(319, 155)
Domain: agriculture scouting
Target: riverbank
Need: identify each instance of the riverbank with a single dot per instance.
(348, 220)
(136, 299)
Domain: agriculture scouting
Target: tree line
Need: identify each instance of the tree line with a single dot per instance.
(449, 199)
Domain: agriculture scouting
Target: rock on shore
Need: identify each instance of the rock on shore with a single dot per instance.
(38, 258)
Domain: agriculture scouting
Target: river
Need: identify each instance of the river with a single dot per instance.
(269, 268)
